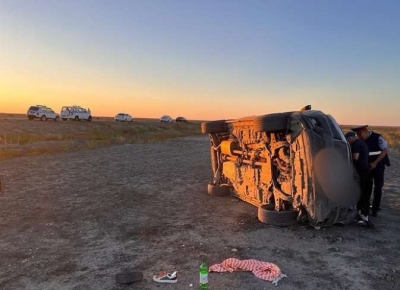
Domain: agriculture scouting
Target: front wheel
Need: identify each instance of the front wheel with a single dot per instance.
(76, 118)
(43, 118)
(272, 122)
(89, 119)
(57, 119)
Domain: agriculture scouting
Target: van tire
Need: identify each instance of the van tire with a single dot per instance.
(218, 190)
(214, 127)
(272, 122)
(267, 215)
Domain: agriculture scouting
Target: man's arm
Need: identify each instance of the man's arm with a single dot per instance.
(355, 156)
(383, 146)
(380, 157)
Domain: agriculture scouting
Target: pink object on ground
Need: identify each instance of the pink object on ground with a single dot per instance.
(263, 270)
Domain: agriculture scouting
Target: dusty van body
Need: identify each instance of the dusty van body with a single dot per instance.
(292, 166)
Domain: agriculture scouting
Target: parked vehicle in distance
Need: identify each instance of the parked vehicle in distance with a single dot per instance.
(293, 166)
(122, 117)
(166, 119)
(181, 119)
(75, 113)
(42, 112)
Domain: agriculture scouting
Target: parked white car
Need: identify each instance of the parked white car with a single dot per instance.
(122, 117)
(166, 119)
(75, 113)
(42, 112)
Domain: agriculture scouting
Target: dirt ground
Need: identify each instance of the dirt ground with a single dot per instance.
(74, 220)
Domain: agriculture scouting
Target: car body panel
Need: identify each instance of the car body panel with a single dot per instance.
(75, 112)
(123, 117)
(38, 111)
(166, 119)
(181, 119)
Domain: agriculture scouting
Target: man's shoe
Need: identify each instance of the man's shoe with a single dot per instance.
(364, 217)
(165, 277)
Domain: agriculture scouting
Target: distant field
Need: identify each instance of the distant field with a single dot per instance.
(391, 134)
(19, 137)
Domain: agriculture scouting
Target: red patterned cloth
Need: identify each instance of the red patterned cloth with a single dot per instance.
(263, 270)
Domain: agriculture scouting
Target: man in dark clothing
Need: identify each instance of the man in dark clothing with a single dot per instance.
(359, 151)
(378, 159)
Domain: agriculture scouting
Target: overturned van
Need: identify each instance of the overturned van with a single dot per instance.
(294, 166)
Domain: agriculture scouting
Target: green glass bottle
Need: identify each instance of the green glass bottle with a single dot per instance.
(203, 276)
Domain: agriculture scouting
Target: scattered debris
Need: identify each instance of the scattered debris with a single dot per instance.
(165, 277)
(263, 270)
(128, 278)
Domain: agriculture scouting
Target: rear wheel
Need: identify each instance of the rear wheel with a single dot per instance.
(43, 118)
(218, 190)
(272, 122)
(214, 127)
(57, 119)
(267, 215)
(76, 118)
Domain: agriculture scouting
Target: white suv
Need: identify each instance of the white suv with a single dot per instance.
(42, 112)
(75, 113)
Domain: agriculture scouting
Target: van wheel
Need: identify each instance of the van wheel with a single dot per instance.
(214, 127)
(89, 119)
(57, 119)
(43, 118)
(76, 118)
(272, 122)
(267, 215)
(218, 190)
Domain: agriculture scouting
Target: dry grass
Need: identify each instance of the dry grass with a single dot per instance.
(391, 134)
(20, 137)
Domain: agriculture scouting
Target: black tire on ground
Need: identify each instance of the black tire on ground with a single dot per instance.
(214, 127)
(267, 215)
(76, 118)
(57, 119)
(128, 278)
(43, 118)
(89, 119)
(218, 190)
(272, 122)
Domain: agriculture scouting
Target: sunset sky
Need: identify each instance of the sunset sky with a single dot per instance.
(204, 59)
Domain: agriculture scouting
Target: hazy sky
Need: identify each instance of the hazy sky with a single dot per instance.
(204, 59)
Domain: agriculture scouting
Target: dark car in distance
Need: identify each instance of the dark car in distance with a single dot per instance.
(181, 119)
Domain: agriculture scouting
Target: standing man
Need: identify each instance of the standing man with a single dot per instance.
(378, 159)
(359, 152)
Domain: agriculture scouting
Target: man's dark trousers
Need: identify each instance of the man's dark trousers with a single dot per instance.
(376, 181)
